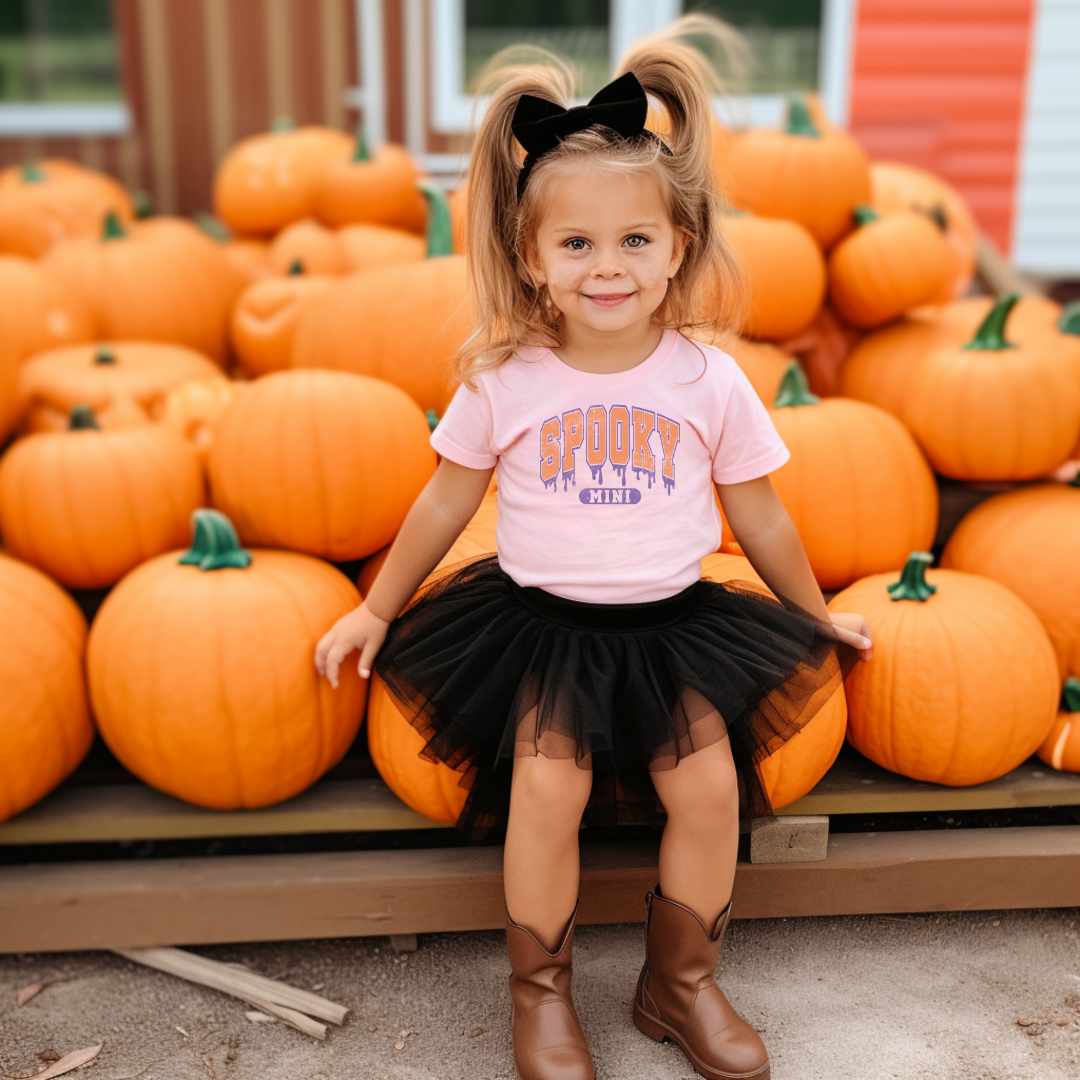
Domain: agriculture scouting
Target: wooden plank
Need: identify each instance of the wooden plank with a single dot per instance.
(340, 894)
(794, 838)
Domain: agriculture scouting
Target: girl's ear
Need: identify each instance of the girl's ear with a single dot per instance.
(530, 258)
(678, 250)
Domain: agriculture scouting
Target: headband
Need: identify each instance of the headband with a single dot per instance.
(540, 125)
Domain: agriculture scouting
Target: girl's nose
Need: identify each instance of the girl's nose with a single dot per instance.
(608, 264)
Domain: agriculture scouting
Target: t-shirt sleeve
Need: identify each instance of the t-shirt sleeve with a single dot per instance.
(464, 434)
(749, 445)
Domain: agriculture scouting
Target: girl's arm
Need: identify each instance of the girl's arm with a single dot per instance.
(768, 538)
(436, 519)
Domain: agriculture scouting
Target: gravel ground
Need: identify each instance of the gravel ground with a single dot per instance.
(972, 996)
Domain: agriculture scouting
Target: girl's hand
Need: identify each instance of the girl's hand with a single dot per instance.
(854, 630)
(360, 629)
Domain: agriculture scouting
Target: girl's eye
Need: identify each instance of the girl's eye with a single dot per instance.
(636, 241)
(577, 244)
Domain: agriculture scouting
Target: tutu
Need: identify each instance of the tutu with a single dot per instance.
(487, 670)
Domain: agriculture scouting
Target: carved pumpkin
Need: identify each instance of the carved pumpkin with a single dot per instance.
(86, 505)
(1029, 541)
(124, 382)
(379, 189)
(784, 274)
(995, 410)
(813, 176)
(963, 686)
(193, 409)
(899, 186)
(159, 280)
(310, 246)
(226, 709)
(1061, 749)
(268, 181)
(264, 320)
(822, 349)
(400, 323)
(45, 728)
(887, 266)
(320, 461)
(857, 488)
(368, 247)
(47, 202)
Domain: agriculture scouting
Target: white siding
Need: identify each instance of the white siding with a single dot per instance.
(1047, 226)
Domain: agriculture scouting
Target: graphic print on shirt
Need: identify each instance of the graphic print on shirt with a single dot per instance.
(619, 436)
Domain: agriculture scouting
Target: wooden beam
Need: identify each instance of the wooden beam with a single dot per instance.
(143, 903)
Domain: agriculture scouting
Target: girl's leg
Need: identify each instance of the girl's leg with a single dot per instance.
(540, 859)
(701, 838)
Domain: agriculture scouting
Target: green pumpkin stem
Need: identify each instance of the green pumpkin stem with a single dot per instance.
(432, 419)
(104, 355)
(215, 229)
(1070, 694)
(798, 118)
(361, 153)
(1069, 323)
(1075, 481)
(282, 124)
(794, 389)
(913, 584)
(990, 337)
(215, 544)
(863, 215)
(113, 229)
(296, 268)
(32, 173)
(82, 419)
(440, 231)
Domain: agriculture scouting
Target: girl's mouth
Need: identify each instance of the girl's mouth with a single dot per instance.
(608, 300)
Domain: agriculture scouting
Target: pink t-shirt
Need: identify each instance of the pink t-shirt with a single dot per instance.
(606, 481)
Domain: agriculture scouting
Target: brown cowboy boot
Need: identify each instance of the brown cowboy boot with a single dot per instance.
(677, 997)
(548, 1040)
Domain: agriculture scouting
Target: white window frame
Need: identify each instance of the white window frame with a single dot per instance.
(50, 119)
(453, 111)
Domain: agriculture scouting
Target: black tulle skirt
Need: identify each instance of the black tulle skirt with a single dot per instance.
(487, 670)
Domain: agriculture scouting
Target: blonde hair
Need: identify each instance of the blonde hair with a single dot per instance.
(509, 312)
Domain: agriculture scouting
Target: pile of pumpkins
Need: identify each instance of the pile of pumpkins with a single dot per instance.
(208, 414)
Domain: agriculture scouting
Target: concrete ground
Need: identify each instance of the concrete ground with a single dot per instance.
(920, 996)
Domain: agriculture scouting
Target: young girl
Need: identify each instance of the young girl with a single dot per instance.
(586, 669)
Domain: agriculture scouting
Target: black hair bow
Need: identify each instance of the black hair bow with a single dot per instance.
(540, 125)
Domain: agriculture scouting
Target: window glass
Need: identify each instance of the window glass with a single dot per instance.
(577, 30)
(58, 51)
(784, 38)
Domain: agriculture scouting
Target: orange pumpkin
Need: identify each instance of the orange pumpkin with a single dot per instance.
(264, 320)
(898, 186)
(879, 368)
(1029, 541)
(458, 201)
(223, 707)
(320, 461)
(1061, 750)
(86, 505)
(160, 280)
(813, 176)
(248, 257)
(887, 266)
(124, 382)
(38, 312)
(992, 410)
(963, 686)
(310, 246)
(268, 181)
(368, 247)
(400, 323)
(379, 189)
(45, 728)
(45, 203)
(193, 409)
(784, 274)
(857, 488)
(822, 349)
(765, 365)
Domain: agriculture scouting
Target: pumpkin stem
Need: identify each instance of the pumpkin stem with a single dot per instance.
(990, 337)
(913, 584)
(1069, 323)
(1075, 481)
(863, 215)
(361, 153)
(144, 204)
(113, 229)
(82, 419)
(282, 123)
(936, 214)
(1070, 694)
(104, 355)
(432, 419)
(32, 173)
(296, 268)
(440, 233)
(215, 229)
(215, 544)
(798, 118)
(794, 389)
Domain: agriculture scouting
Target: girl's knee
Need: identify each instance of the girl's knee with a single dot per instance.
(555, 788)
(702, 787)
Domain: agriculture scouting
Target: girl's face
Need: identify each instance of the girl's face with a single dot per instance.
(605, 246)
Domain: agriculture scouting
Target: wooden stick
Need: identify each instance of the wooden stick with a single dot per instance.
(242, 984)
(998, 274)
(289, 1016)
